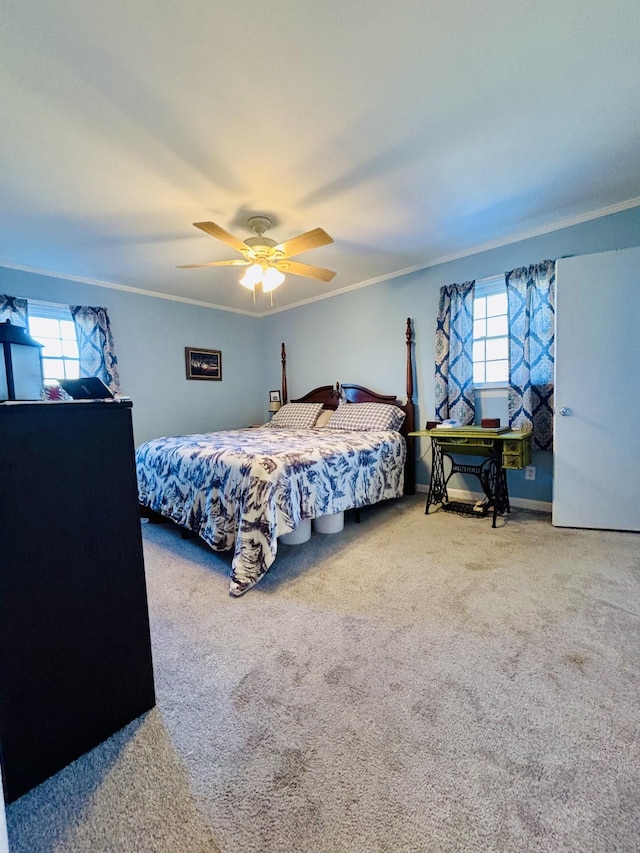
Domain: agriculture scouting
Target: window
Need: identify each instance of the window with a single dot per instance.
(490, 333)
(53, 326)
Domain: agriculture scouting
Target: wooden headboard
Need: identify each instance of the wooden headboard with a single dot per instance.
(330, 395)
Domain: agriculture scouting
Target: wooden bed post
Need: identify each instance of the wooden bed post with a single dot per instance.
(283, 358)
(330, 397)
(410, 468)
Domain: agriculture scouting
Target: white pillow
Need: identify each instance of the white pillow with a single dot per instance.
(367, 416)
(324, 418)
(296, 415)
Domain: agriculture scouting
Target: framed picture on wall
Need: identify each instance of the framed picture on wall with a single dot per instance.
(203, 363)
(274, 397)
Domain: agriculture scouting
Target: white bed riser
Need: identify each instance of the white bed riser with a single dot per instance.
(329, 523)
(301, 534)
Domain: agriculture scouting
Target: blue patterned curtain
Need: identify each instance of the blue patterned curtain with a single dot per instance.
(455, 395)
(95, 345)
(15, 309)
(531, 295)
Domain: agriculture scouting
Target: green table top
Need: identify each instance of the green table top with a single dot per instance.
(471, 431)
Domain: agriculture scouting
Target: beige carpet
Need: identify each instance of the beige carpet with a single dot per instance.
(411, 684)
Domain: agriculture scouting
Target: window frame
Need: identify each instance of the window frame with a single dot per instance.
(38, 309)
(484, 288)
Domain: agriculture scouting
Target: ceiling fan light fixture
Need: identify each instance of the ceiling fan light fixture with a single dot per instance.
(252, 276)
(271, 279)
(268, 277)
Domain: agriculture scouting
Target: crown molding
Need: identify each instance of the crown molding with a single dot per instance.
(110, 285)
(455, 256)
(474, 250)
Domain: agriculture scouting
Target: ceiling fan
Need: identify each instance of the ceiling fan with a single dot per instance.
(267, 261)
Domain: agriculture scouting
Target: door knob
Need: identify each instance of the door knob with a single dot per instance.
(566, 411)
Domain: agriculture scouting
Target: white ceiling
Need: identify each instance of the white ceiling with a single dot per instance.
(410, 130)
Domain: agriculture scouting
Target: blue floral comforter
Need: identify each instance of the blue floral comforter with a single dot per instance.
(241, 489)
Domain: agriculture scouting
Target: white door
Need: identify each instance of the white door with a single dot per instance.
(596, 467)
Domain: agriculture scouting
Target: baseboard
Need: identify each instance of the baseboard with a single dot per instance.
(464, 495)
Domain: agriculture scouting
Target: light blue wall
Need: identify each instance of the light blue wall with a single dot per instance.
(150, 336)
(359, 336)
(356, 337)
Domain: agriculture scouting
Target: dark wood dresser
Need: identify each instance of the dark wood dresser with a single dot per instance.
(75, 650)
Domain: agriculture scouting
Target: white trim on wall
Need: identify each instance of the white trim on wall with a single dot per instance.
(109, 285)
(472, 497)
(456, 256)
(475, 250)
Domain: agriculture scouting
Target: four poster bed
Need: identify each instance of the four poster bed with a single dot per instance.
(336, 448)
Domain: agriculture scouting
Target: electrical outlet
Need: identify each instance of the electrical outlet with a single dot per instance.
(530, 472)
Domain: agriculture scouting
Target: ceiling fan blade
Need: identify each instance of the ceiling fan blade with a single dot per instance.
(237, 263)
(216, 231)
(304, 242)
(296, 268)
